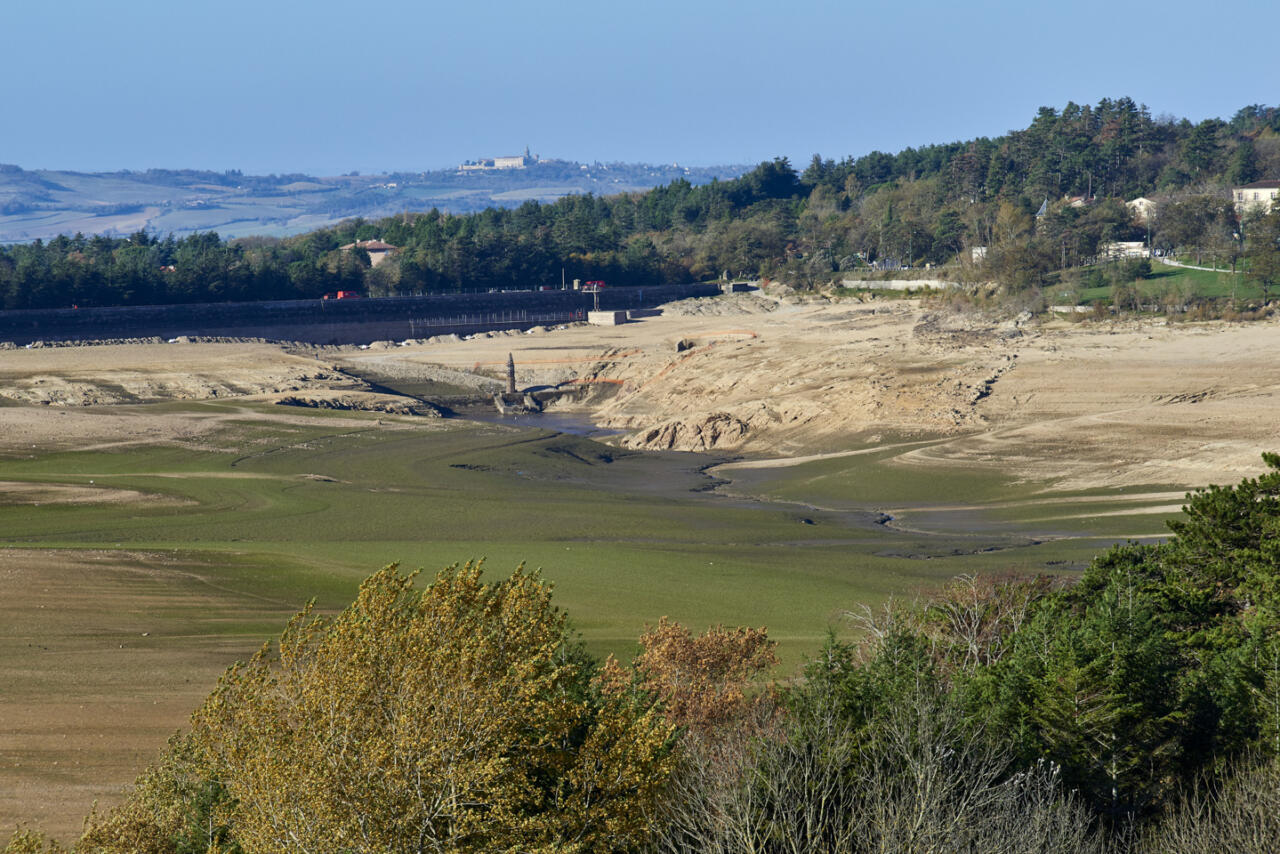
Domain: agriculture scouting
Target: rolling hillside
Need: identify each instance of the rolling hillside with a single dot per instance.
(40, 204)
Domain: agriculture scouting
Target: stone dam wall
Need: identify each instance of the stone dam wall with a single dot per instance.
(349, 321)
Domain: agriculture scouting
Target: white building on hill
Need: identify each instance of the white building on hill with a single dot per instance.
(517, 161)
(1259, 194)
(1141, 209)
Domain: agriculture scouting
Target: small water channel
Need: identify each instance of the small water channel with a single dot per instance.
(573, 423)
(688, 476)
(685, 475)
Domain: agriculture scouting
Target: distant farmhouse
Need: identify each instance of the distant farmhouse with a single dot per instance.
(378, 251)
(1141, 209)
(1259, 194)
(484, 164)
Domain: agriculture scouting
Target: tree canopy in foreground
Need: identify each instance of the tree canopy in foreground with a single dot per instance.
(459, 717)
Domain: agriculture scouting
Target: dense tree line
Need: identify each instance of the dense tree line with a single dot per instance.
(1134, 710)
(1038, 200)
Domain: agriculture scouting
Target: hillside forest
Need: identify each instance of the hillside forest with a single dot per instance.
(1038, 204)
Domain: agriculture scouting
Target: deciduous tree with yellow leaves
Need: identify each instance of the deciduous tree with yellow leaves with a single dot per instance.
(459, 717)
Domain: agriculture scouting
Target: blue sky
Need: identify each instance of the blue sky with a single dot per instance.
(325, 87)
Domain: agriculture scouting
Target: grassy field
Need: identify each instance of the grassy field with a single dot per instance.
(132, 577)
(287, 512)
(310, 510)
(1165, 279)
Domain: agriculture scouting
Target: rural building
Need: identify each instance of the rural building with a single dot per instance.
(1258, 194)
(1123, 249)
(1141, 209)
(518, 161)
(378, 251)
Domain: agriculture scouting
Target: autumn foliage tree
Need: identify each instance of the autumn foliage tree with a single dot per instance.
(701, 683)
(455, 718)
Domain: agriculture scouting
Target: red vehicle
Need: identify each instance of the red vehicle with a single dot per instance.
(343, 295)
(593, 286)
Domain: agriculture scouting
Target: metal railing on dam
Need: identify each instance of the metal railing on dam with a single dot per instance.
(346, 321)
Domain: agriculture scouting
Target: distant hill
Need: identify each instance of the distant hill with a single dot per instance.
(1034, 210)
(42, 204)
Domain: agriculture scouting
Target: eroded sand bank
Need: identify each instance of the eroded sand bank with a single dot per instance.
(1113, 403)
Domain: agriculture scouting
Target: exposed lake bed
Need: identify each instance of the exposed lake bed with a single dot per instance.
(730, 466)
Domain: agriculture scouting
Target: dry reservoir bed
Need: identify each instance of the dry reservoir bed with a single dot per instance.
(161, 517)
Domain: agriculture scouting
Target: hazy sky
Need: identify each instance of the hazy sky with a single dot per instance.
(325, 87)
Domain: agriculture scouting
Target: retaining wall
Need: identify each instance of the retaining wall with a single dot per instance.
(354, 321)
